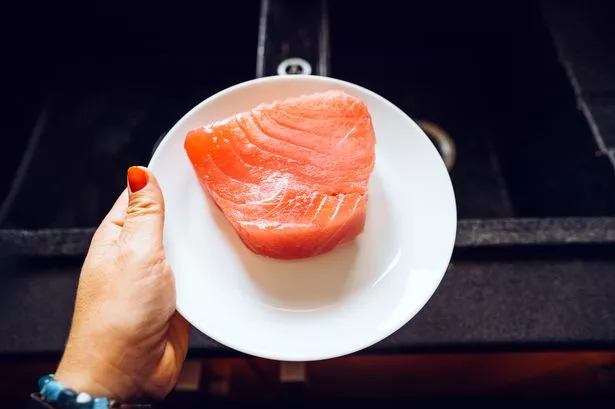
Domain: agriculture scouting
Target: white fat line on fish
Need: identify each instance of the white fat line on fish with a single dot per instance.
(302, 225)
(261, 224)
(322, 203)
(296, 202)
(307, 208)
(356, 203)
(328, 240)
(264, 224)
(340, 200)
(289, 207)
(285, 190)
(346, 136)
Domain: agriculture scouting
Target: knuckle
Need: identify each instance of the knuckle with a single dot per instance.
(143, 206)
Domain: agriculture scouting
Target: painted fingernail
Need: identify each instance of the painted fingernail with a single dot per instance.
(137, 178)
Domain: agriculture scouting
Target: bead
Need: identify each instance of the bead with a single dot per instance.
(52, 390)
(67, 397)
(83, 401)
(101, 403)
(44, 380)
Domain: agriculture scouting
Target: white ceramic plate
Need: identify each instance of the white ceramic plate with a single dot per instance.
(330, 305)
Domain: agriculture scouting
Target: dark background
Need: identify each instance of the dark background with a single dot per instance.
(526, 89)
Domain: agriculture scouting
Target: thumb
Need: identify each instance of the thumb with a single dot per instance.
(145, 211)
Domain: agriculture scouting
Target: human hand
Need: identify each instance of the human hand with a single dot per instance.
(126, 339)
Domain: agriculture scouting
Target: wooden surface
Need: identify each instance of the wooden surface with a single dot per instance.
(375, 378)
(531, 374)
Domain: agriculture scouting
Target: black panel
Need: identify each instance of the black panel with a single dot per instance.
(114, 77)
(488, 73)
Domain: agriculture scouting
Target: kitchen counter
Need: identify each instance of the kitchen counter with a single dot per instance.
(500, 292)
(493, 305)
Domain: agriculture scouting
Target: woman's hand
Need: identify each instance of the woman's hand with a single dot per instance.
(126, 338)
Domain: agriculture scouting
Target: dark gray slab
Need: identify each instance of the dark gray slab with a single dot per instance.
(501, 304)
(470, 233)
(511, 232)
(557, 303)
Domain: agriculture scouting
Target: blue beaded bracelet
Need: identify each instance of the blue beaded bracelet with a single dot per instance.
(66, 398)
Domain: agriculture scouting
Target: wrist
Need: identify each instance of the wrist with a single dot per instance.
(82, 381)
(55, 394)
(94, 380)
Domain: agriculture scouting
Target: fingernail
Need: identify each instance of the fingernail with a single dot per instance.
(137, 178)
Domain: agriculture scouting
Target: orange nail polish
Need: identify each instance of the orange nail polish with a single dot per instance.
(137, 178)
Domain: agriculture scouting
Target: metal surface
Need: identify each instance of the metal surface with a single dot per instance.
(291, 66)
(293, 30)
(442, 140)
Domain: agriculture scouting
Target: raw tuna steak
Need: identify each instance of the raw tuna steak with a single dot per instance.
(290, 176)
